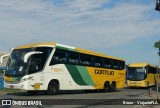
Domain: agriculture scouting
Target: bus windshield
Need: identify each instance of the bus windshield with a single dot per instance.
(17, 67)
(136, 73)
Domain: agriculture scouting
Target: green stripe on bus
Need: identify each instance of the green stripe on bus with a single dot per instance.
(85, 75)
(75, 74)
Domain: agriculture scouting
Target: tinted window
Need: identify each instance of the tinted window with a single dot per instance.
(121, 64)
(97, 61)
(115, 64)
(73, 58)
(152, 70)
(107, 63)
(86, 60)
(59, 57)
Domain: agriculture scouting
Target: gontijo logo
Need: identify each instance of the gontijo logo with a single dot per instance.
(104, 72)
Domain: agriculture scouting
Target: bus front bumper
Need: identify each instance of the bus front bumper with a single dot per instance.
(136, 84)
(20, 85)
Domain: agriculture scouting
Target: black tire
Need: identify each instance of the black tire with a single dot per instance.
(53, 88)
(32, 92)
(113, 87)
(148, 87)
(106, 87)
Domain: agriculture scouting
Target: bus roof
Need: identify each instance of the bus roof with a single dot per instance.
(66, 47)
(143, 64)
(36, 45)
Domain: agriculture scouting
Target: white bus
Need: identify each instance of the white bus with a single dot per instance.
(51, 67)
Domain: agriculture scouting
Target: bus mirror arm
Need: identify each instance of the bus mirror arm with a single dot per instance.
(27, 55)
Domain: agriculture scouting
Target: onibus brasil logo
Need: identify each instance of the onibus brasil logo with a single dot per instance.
(20, 102)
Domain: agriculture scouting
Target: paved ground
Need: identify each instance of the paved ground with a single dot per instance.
(83, 97)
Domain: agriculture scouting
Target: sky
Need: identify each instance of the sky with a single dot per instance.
(125, 29)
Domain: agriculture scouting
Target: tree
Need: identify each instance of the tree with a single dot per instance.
(157, 8)
(157, 44)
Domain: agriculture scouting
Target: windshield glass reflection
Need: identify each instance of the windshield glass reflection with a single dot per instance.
(136, 73)
(17, 67)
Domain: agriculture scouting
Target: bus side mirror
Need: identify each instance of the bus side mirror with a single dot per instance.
(2, 57)
(27, 55)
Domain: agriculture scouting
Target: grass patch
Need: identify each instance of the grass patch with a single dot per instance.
(9, 90)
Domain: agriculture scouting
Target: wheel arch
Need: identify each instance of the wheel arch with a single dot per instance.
(113, 82)
(50, 80)
(55, 80)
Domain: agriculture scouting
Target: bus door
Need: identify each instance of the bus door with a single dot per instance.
(35, 67)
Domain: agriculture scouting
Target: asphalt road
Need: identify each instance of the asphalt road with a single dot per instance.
(93, 99)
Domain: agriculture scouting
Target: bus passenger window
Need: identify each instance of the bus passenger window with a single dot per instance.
(115, 64)
(121, 65)
(107, 63)
(86, 60)
(59, 57)
(63, 60)
(85, 63)
(97, 61)
(97, 64)
(152, 70)
(73, 58)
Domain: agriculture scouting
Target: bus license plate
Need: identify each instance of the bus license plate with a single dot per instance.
(11, 86)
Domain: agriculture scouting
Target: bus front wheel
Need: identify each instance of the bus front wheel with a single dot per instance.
(52, 88)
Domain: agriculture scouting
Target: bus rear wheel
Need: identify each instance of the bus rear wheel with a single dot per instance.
(106, 87)
(148, 85)
(113, 87)
(52, 88)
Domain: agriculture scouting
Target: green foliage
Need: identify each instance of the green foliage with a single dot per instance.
(157, 44)
(9, 90)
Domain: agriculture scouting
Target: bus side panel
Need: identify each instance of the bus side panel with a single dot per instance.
(96, 77)
(151, 79)
(72, 77)
(69, 77)
(100, 75)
